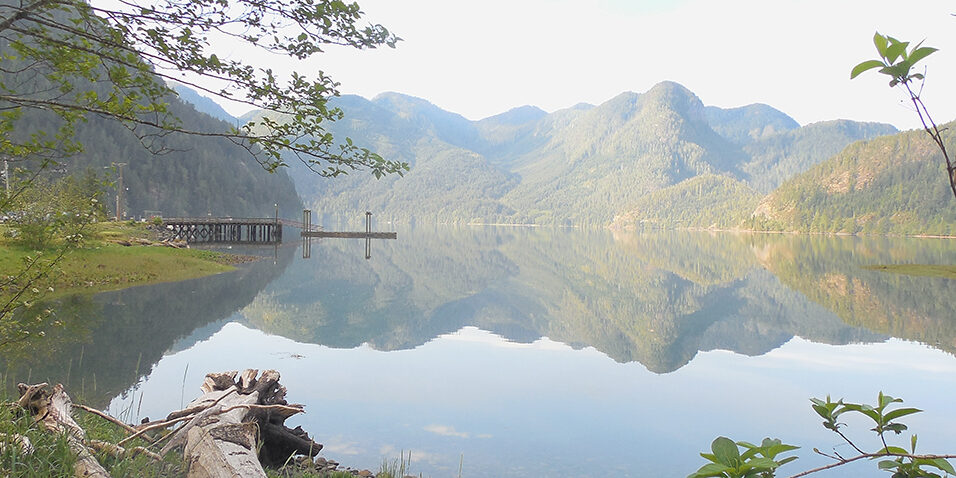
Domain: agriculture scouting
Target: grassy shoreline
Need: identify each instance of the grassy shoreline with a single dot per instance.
(103, 263)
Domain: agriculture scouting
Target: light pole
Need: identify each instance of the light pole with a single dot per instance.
(119, 192)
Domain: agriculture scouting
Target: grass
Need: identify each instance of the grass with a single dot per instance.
(922, 270)
(101, 264)
(52, 457)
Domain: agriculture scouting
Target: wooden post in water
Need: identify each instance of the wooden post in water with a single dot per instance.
(368, 222)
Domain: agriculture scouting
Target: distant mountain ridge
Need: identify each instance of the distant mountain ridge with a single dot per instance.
(202, 103)
(584, 165)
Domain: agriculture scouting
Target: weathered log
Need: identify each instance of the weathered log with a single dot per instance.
(205, 401)
(247, 380)
(120, 452)
(211, 408)
(279, 443)
(220, 445)
(54, 412)
(218, 381)
(16, 440)
(268, 386)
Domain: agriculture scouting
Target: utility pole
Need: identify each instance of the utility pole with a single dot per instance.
(119, 193)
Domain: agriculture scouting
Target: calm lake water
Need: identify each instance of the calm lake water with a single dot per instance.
(539, 352)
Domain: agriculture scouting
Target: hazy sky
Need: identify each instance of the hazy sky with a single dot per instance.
(483, 58)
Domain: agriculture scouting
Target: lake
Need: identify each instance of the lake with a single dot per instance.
(539, 352)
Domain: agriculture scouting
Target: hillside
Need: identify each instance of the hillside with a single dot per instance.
(583, 165)
(894, 184)
(775, 157)
(195, 176)
(201, 103)
(707, 201)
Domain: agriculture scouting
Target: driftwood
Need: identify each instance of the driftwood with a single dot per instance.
(219, 444)
(232, 419)
(54, 411)
(17, 440)
(120, 452)
(234, 428)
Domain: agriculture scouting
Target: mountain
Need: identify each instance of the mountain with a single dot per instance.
(777, 156)
(175, 174)
(193, 176)
(707, 201)
(610, 156)
(892, 184)
(750, 123)
(583, 165)
(202, 103)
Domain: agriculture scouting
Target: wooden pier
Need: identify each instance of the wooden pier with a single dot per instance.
(225, 229)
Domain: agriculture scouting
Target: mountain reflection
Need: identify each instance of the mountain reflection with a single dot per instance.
(658, 298)
(111, 340)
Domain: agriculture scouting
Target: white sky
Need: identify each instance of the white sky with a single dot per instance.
(483, 58)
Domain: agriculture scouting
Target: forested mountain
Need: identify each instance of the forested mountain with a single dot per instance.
(193, 176)
(747, 124)
(705, 201)
(203, 104)
(779, 156)
(894, 184)
(175, 174)
(583, 165)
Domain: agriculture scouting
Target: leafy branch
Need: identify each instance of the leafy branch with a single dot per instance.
(728, 461)
(897, 60)
(70, 60)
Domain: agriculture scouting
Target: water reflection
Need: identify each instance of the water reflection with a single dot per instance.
(112, 340)
(657, 298)
(547, 306)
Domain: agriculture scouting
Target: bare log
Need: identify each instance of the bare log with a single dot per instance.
(279, 443)
(205, 401)
(179, 436)
(218, 381)
(120, 452)
(54, 412)
(220, 445)
(17, 440)
(247, 380)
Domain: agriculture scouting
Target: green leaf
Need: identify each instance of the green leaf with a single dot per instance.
(726, 452)
(862, 67)
(787, 460)
(881, 43)
(901, 412)
(895, 428)
(889, 465)
(920, 53)
(886, 400)
(709, 470)
(944, 465)
(895, 51)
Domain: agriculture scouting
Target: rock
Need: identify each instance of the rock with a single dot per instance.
(365, 473)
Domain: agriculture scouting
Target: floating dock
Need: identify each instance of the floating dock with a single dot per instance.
(351, 235)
